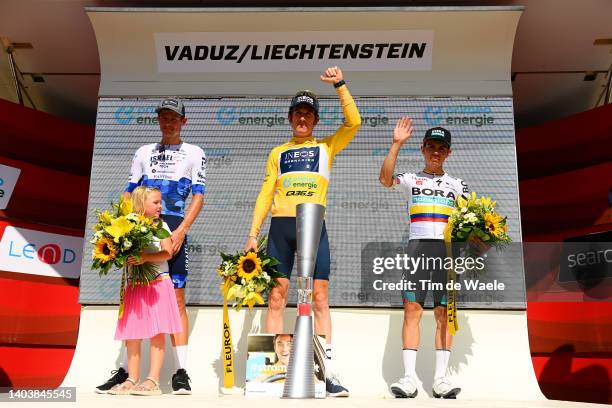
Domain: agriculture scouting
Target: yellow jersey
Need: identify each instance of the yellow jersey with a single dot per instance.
(298, 171)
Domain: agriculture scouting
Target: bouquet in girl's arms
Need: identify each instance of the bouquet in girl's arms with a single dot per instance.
(246, 276)
(476, 222)
(121, 233)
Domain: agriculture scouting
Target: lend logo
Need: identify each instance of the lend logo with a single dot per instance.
(40, 253)
(49, 254)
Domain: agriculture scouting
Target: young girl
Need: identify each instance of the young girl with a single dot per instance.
(150, 311)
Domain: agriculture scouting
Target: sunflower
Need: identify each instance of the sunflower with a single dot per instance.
(493, 224)
(249, 266)
(104, 250)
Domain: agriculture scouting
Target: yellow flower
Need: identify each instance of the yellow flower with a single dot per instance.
(104, 250)
(493, 224)
(145, 220)
(125, 206)
(249, 266)
(236, 292)
(485, 201)
(119, 227)
(105, 217)
(461, 202)
(252, 298)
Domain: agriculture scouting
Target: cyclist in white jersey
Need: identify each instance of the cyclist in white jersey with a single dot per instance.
(175, 168)
(431, 196)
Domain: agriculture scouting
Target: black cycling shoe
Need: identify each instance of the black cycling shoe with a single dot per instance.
(180, 383)
(118, 377)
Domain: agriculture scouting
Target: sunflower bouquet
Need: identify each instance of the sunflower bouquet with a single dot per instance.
(121, 233)
(246, 276)
(475, 221)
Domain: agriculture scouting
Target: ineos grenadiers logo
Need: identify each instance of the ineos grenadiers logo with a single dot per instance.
(304, 99)
(459, 115)
(141, 115)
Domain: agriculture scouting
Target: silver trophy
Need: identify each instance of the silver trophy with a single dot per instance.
(300, 380)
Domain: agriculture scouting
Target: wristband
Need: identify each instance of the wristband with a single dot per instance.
(339, 83)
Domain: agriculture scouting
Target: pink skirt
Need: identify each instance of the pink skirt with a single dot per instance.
(148, 311)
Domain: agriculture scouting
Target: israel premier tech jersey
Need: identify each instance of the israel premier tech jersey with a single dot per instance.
(431, 199)
(298, 171)
(174, 169)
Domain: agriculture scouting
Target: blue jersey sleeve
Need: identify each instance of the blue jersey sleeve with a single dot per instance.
(198, 172)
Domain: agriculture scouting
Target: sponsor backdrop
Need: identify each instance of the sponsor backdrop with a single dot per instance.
(237, 135)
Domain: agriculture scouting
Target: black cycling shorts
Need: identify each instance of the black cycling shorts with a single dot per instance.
(431, 271)
(179, 264)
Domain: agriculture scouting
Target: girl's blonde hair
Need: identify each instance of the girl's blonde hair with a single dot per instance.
(139, 196)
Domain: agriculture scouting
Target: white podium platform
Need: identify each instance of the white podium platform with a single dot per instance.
(490, 359)
(202, 401)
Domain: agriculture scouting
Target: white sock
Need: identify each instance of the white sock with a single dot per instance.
(442, 357)
(123, 357)
(180, 356)
(409, 357)
(328, 360)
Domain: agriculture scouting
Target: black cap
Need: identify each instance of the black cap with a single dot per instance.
(438, 133)
(305, 98)
(173, 104)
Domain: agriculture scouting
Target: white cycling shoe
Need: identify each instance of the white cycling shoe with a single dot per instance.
(442, 388)
(405, 387)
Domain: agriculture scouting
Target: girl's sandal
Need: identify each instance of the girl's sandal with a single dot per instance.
(124, 388)
(142, 389)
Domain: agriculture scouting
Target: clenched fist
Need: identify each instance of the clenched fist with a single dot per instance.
(332, 75)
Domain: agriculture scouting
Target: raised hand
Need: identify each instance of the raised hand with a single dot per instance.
(332, 75)
(403, 130)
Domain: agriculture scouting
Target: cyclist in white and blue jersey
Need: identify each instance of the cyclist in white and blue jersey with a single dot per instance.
(176, 168)
(431, 195)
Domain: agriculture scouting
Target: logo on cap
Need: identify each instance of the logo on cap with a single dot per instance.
(173, 104)
(304, 99)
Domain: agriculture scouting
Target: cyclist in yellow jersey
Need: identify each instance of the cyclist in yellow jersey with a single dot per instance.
(298, 172)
